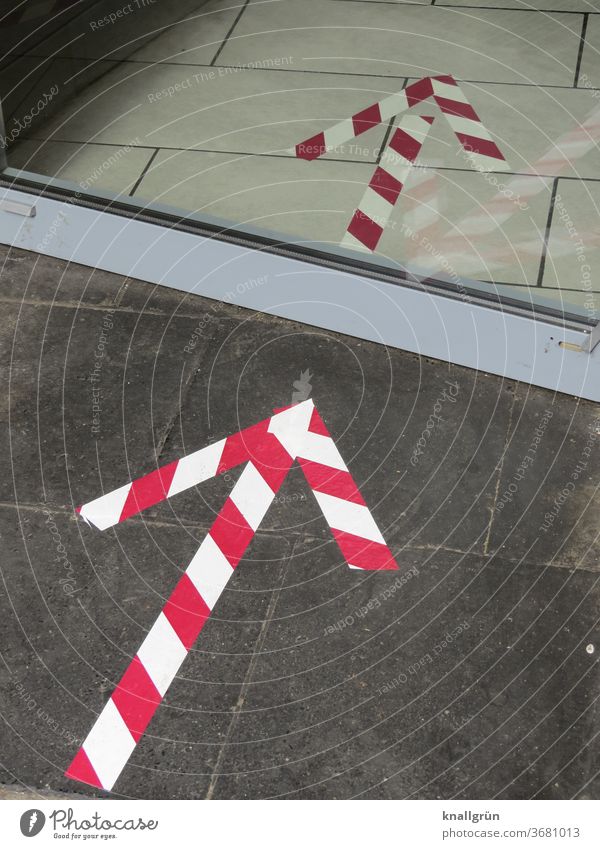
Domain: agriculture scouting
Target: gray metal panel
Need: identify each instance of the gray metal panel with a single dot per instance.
(424, 322)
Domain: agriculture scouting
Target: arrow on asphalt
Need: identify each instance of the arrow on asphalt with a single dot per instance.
(268, 449)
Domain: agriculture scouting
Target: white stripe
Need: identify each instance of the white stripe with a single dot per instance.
(486, 163)
(109, 745)
(162, 653)
(197, 467)
(340, 133)
(450, 92)
(420, 124)
(291, 429)
(415, 126)
(466, 125)
(375, 206)
(396, 165)
(106, 510)
(349, 517)
(393, 105)
(320, 449)
(209, 571)
(290, 424)
(252, 496)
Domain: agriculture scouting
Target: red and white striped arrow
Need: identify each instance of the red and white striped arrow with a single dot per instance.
(389, 178)
(268, 449)
(464, 121)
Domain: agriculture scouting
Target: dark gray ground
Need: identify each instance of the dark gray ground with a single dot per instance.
(274, 701)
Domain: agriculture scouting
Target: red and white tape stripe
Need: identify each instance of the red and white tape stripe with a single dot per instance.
(268, 449)
(571, 146)
(369, 219)
(491, 217)
(446, 92)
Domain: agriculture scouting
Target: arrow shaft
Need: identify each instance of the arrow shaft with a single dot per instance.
(389, 178)
(124, 718)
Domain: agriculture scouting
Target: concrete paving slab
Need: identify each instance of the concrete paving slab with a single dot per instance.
(546, 505)
(458, 685)
(100, 364)
(403, 38)
(74, 627)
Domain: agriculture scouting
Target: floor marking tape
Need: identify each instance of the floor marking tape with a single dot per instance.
(371, 216)
(515, 196)
(268, 449)
(450, 98)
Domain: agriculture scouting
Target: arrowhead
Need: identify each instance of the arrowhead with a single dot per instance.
(291, 425)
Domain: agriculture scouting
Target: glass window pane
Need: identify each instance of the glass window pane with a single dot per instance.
(458, 141)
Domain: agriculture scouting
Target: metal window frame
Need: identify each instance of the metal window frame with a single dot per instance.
(557, 353)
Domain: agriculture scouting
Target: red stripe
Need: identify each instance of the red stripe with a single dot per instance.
(148, 490)
(272, 460)
(187, 611)
(331, 481)
(385, 185)
(475, 145)
(82, 770)
(312, 148)
(238, 446)
(407, 146)
(455, 107)
(136, 698)
(262, 448)
(364, 553)
(419, 91)
(446, 78)
(369, 117)
(365, 230)
(231, 532)
(316, 424)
